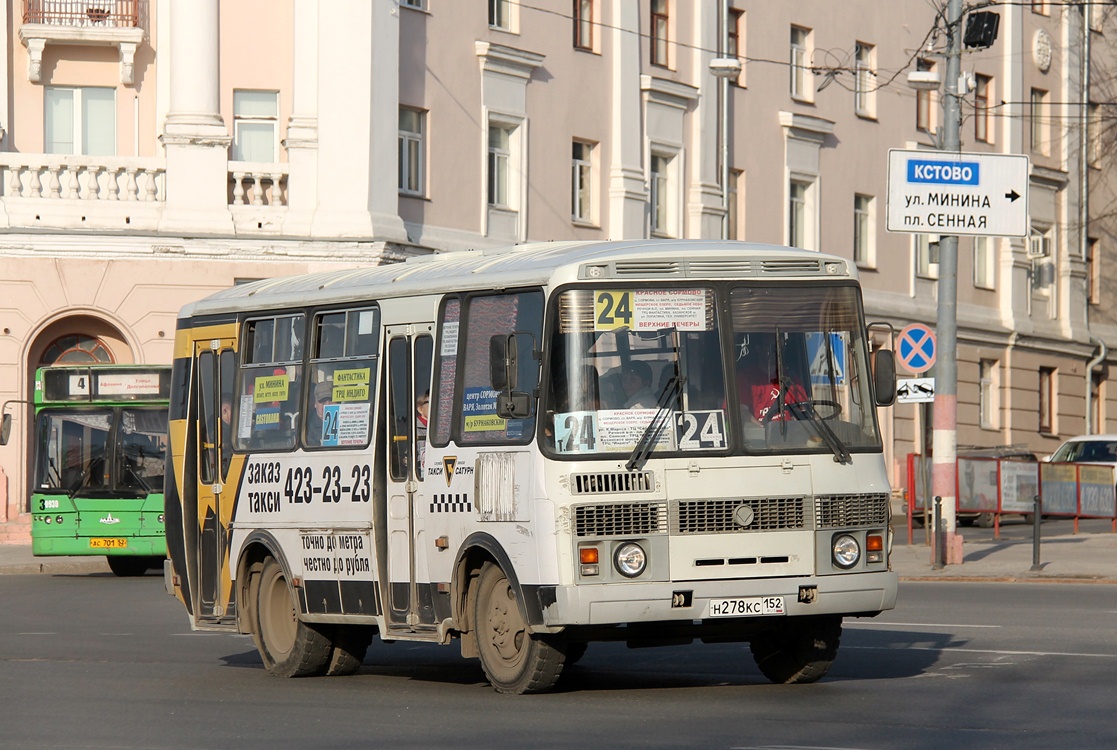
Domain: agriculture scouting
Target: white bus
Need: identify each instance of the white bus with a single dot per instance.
(649, 441)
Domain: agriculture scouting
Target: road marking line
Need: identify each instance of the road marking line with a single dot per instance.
(982, 651)
(877, 624)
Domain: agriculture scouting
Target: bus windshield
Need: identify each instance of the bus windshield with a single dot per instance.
(787, 372)
(102, 451)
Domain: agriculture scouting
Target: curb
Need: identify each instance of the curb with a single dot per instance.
(1011, 579)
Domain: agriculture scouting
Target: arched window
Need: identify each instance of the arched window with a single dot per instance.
(76, 348)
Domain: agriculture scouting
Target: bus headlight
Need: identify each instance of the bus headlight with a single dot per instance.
(630, 560)
(846, 551)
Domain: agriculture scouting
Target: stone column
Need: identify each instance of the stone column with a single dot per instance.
(195, 137)
(358, 121)
(628, 193)
(302, 127)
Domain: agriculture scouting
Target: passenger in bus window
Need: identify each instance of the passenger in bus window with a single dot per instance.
(323, 396)
(758, 382)
(422, 417)
(636, 377)
(226, 432)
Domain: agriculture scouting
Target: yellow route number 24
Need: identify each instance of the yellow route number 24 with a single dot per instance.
(612, 310)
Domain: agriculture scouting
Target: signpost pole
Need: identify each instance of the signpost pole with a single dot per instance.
(945, 439)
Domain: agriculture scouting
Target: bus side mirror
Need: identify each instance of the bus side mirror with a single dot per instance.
(5, 429)
(884, 377)
(503, 361)
(504, 355)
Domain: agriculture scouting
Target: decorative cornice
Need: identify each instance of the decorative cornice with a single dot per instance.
(509, 61)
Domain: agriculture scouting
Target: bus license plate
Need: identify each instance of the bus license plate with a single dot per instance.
(108, 543)
(746, 607)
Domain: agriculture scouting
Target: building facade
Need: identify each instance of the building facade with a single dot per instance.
(155, 151)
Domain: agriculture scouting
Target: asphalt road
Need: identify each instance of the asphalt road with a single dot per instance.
(93, 661)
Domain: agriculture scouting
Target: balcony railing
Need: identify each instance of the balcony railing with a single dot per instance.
(87, 178)
(120, 14)
(257, 184)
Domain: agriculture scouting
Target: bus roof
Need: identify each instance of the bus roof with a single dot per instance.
(526, 265)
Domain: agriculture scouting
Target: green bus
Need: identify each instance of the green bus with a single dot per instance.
(99, 459)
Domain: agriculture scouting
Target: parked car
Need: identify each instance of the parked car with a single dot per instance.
(1088, 449)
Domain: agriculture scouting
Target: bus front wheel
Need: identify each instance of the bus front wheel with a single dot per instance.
(514, 660)
(799, 650)
(288, 646)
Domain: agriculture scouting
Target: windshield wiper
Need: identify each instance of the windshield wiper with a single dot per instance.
(643, 449)
(806, 411)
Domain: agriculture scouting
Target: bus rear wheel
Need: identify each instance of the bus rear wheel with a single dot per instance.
(514, 660)
(798, 651)
(287, 646)
(128, 566)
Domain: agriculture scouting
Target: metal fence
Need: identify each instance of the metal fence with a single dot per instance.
(1002, 486)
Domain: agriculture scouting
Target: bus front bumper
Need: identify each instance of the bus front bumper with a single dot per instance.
(862, 594)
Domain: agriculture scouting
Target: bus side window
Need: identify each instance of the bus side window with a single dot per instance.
(207, 417)
(488, 316)
(271, 383)
(446, 373)
(399, 408)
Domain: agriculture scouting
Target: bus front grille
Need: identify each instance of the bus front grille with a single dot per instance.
(611, 482)
(722, 516)
(841, 511)
(620, 519)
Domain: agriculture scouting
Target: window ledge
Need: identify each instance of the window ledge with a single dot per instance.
(35, 37)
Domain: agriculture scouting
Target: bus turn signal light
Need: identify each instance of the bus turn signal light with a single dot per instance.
(590, 558)
(874, 548)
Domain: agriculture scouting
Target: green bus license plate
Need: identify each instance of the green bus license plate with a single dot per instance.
(108, 543)
(746, 607)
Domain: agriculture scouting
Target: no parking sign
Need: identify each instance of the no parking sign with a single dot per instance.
(916, 347)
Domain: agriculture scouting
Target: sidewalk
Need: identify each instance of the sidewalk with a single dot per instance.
(1064, 556)
(1085, 557)
(16, 559)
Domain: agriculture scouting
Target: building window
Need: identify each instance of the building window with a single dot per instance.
(1093, 272)
(411, 150)
(800, 53)
(1098, 383)
(864, 98)
(255, 126)
(989, 381)
(500, 154)
(864, 242)
(417, 4)
(583, 24)
(736, 28)
(926, 256)
(984, 254)
(983, 89)
(79, 121)
(736, 215)
(660, 29)
(1037, 129)
(1040, 7)
(1047, 385)
(662, 204)
(76, 349)
(500, 16)
(800, 214)
(581, 185)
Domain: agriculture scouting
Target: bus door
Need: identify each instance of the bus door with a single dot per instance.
(410, 354)
(216, 366)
